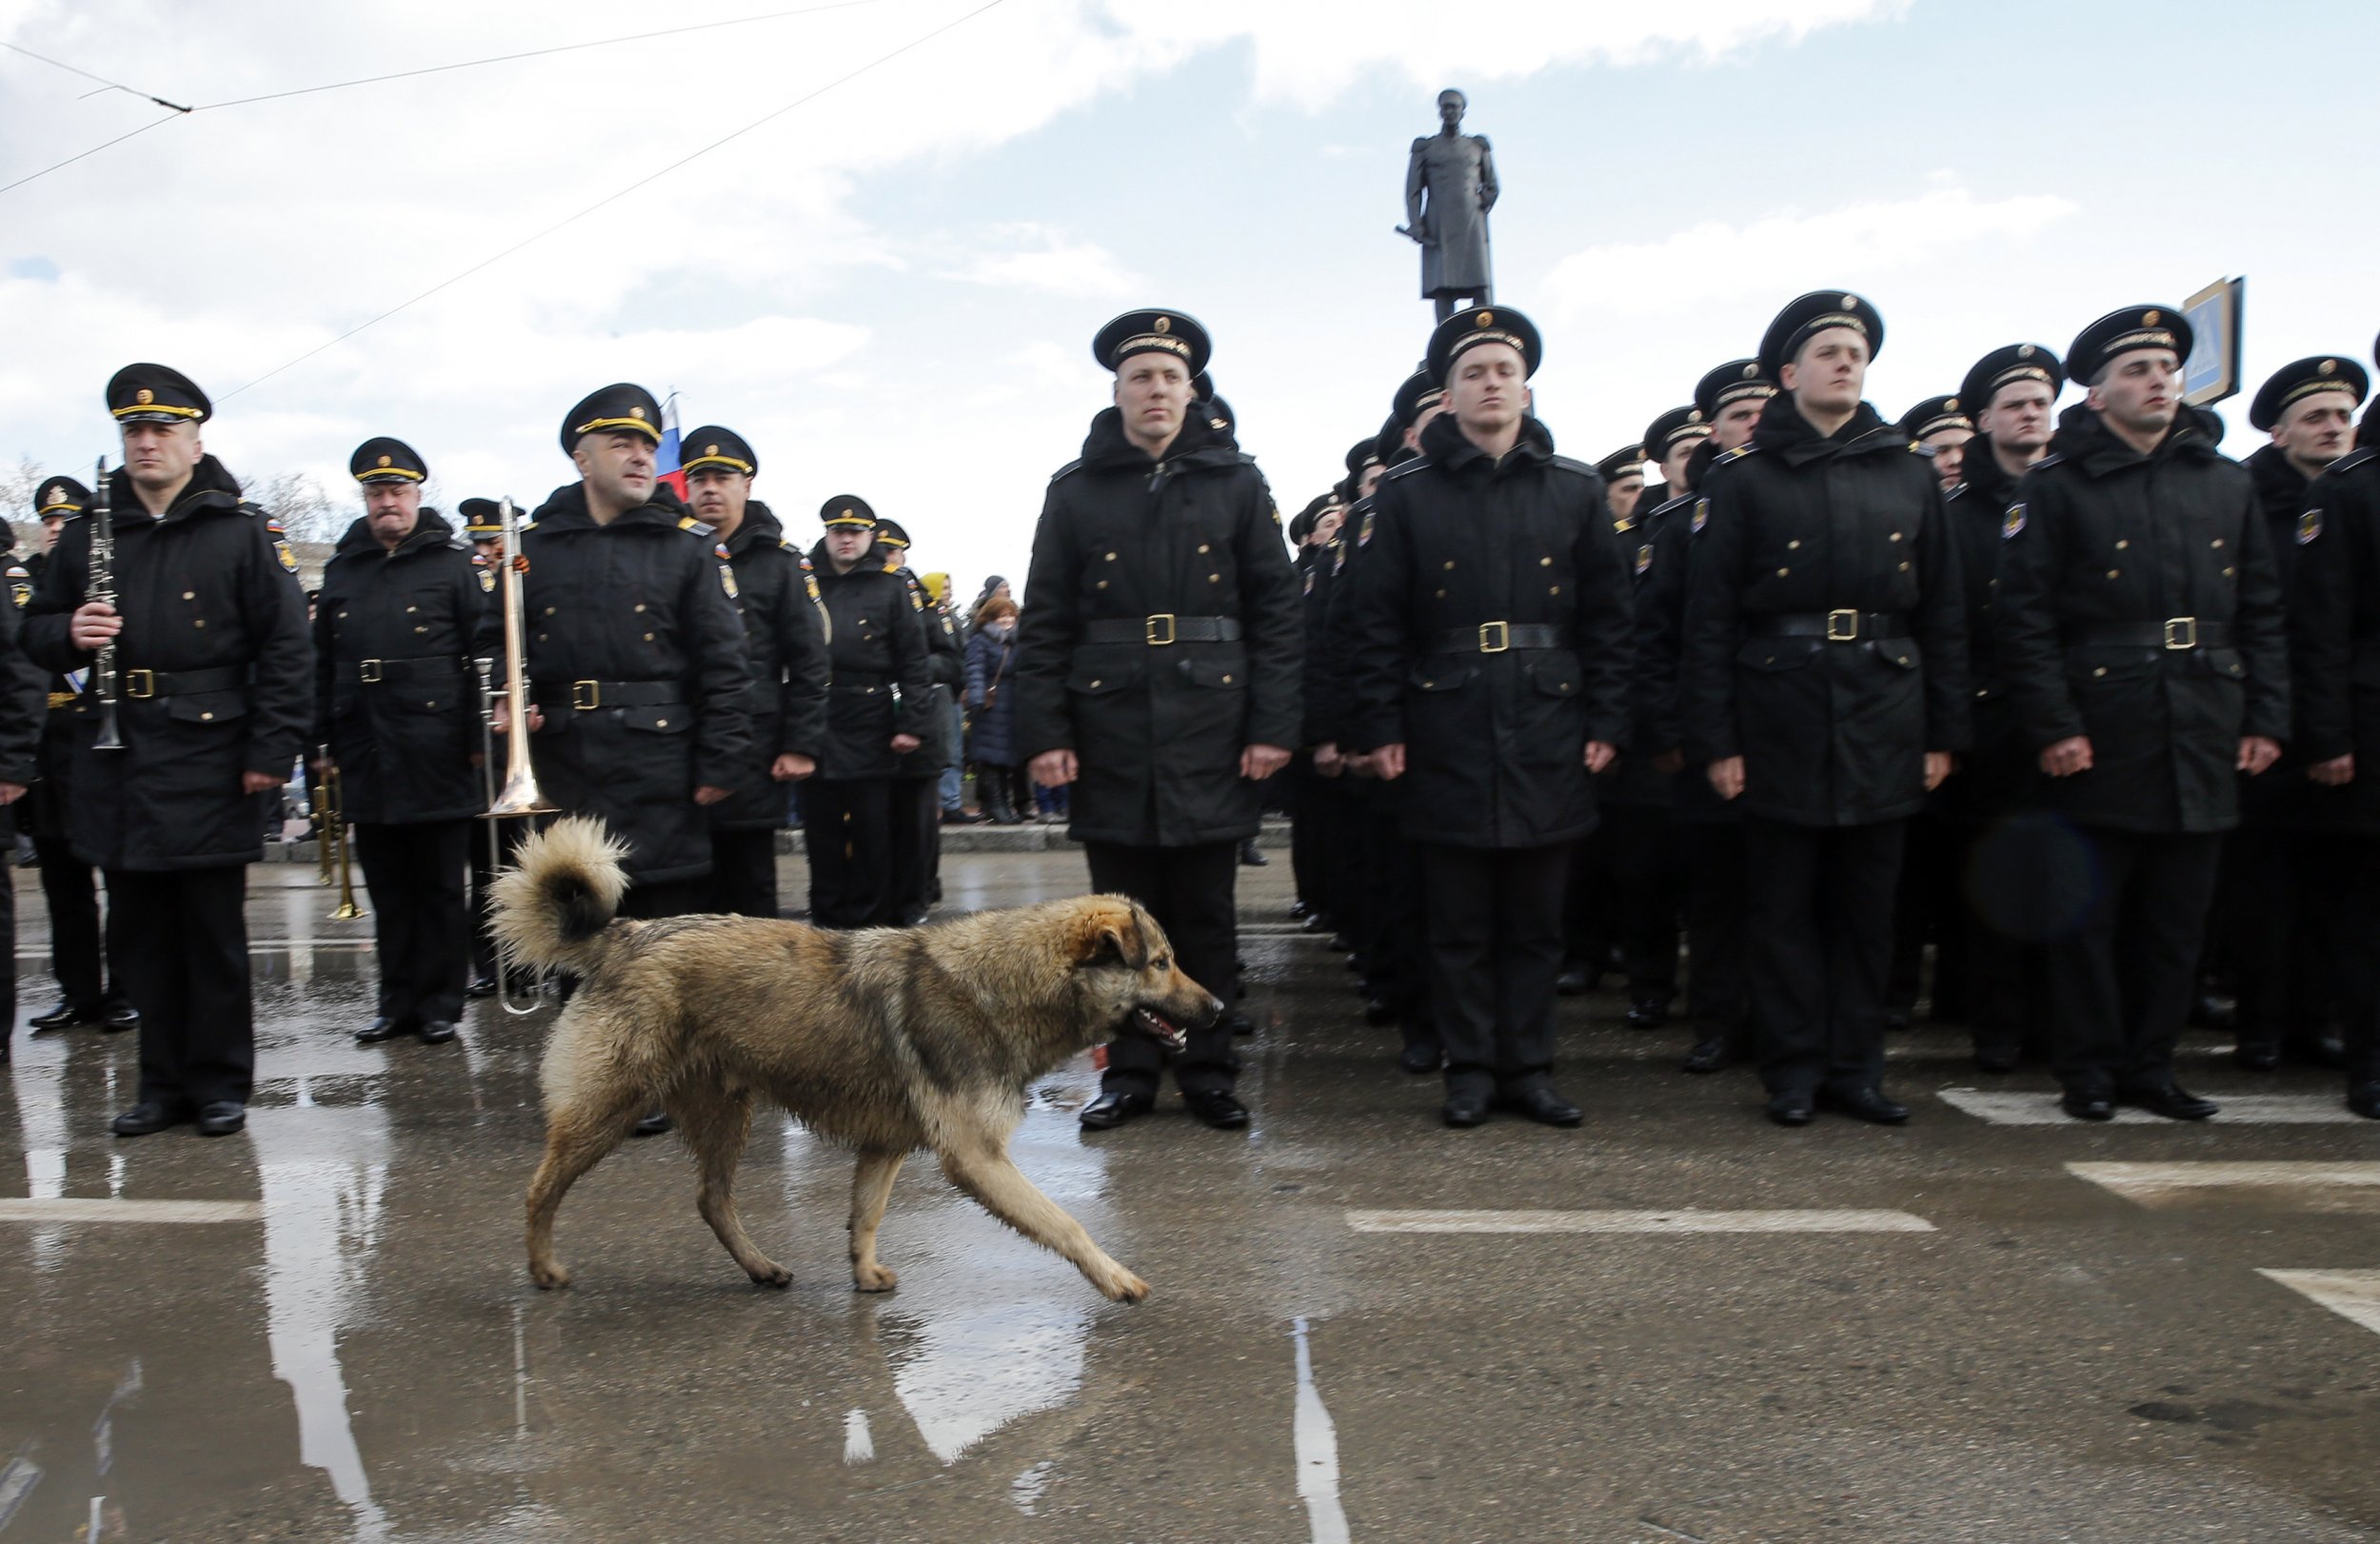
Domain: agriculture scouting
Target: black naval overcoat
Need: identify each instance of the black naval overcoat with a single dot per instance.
(2333, 609)
(1130, 552)
(1491, 622)
(785, 627)
(637, 661)
(41, 812)
(24, 701)
(1660, 646)
(209, 595)
(1998, 772)
(1320, 691)
(396, 697)
(881, 676)
(2111, 555)
(1796, 525)
(945, 675)
(1634, 783)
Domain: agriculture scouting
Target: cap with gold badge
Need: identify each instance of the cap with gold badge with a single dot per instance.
(2293, 383)
(621, 407)
(1153, 332)
(1934, 415)
(482, 518)
(1465, 330)
(890, 535)
(1732, 382)
(2122, 332)
(156, 394)
(384, 460)
(2006, 366)
(847, 511)
(1663, 434)
(1811, 314)
(60, 496)
(711, 445)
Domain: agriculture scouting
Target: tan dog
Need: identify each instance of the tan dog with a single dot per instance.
(886, 1039)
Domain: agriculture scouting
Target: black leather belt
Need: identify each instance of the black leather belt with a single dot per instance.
(859, 681)
(140, 685)
(426, 667)
(1835, 626)
(592, 695)
(1498, 637)
(1164, 628)
(2174, 633)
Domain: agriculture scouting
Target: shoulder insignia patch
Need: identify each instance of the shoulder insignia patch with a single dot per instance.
(287, 554)
(1339, 558)
(272, 522)
(1363, 535)
(487, 579)
(20, 585)
(1702, 515)
(721, 549)
(2013, 525)
(1309, 588)
(728, 580)
(686, 522)
(2308, 529)
(1644, 560)
(917, 601)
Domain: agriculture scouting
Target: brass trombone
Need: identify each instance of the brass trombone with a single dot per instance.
(335, 845)
(520, 795)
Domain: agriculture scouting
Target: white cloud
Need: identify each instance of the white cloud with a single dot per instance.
(1033, 256)
(1714, 261)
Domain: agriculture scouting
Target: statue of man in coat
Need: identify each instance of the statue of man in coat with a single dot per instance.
(1450, 186)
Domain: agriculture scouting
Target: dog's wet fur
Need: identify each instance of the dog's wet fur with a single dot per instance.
(886, 1041)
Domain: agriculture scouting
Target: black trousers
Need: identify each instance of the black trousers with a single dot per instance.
(743, 873)
(1308, 823)
(1820, 920)
(1926, 910)
(2279, 892)
(1394, 926)
(1714, 923)
(1190, 892)
(1649, 874)
(917, 845)
(848, 826)
(2122, 982)
(1495, 924)
(415, 875)
(2024, 878)
(71, 887)
(2358, 935)
(665, 898)
(179, 940)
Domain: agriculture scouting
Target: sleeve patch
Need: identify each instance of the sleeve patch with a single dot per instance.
(1702, 516)
(728, 580)
(2308, 529)
(2012, 526)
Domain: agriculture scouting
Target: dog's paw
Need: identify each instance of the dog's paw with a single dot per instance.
(1122, 1287)
(549, 1275)
(775, 1275)
(874, 1278)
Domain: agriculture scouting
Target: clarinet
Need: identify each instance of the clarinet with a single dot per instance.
(101, 586)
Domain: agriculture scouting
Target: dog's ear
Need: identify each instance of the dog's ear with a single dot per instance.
(1114, 933)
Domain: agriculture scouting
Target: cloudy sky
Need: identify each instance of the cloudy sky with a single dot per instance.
(888, 277)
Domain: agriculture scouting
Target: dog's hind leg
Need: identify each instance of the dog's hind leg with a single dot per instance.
(987, 1174)
(871, 1187)
(714, 1121)
(577, 1136)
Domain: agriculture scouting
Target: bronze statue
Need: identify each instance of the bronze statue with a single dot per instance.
(1450, 186)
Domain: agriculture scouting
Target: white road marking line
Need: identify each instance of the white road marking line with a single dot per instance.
(1316, 1445)
(1676, 1219)
(859, 1444)
(2349, 1294)
(2152, 1182)
(2238, 1109)
(92, 1209)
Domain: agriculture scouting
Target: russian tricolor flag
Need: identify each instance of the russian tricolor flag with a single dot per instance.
(666, 458)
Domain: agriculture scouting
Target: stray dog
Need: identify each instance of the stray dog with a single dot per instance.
(886, 1039)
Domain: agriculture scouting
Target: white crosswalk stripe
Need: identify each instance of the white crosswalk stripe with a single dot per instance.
(2155, 1184)
(2023, 1109)
(2352, 1294)
(97, 1209)
(1674, 1220)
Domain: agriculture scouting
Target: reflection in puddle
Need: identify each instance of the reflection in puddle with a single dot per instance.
(988, 1328)
(859, 1443)
(324, 1173)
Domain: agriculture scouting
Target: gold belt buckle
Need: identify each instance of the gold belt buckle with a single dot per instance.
(1149, 627)
(1842, 627)
(1495, 636)
(140, 684)
(2181, 632)
(370, 671)
(586, 696)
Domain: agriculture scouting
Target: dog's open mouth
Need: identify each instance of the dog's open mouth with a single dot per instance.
(1158, 1028)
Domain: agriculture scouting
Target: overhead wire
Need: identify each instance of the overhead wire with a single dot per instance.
(180, 109)
(614, 197)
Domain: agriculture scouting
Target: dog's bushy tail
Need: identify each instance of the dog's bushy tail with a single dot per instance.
(553, 905)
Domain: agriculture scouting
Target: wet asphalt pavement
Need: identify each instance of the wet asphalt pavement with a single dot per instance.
(350, 1348)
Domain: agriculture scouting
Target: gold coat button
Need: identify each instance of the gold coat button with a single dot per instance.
(192, 595)
(1896, 535)
(1450, 563)
(410, 610)
(2120, 545)
(640, 605)
(1203, 548)
(1782, 572)
(1553, 589)
(648, 638)
(2101, 671)
(2218, 542)
(2113, 572)
(1904, 567)
(1545, 562)
(549, 611)
(1102, 584)
(1214, 579)
(198, 622)
(1111, 557)
(1794, 545)
(203, 717)
(1227, 681)
(661, 724)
